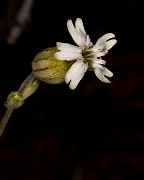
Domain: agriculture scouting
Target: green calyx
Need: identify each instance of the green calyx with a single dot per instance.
(47, 68)
(14, 100)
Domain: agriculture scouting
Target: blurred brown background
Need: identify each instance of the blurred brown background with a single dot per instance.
(95, 132)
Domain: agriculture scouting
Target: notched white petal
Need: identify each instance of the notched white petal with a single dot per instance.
(97, 65)
(99, 61)
(104, 38)
(79, 26)
(107, 72)
(99, 54)
(67, 47)
(100, 75)
(75, 74)
(109, 44)
(65, 55)
(78, 37)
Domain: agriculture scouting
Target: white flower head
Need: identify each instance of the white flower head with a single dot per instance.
(86, 55)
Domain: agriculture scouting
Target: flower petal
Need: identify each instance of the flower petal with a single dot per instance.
(98, 63)
(101, 53)
(109, 44)
(107, 72)
(76, 73)
(67, 47)
(100, 75)
(65, 55)
(77, 34)
(103, 39)
(79, 26)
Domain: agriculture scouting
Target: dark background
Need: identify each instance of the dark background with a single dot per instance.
(95, 132)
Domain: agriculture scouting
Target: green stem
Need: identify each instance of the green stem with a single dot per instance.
(5, 120)
(16, 98)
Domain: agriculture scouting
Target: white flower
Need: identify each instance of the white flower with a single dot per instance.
(86, 55)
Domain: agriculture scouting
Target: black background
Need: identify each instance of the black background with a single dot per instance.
(95, 132)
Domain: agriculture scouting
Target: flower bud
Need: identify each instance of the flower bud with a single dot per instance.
(29, 86)
(47, 68)
(14, 100)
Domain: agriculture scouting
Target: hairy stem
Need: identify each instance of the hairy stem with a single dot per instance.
(5, 120)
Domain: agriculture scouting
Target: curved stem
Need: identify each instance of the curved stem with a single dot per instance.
(5, 120)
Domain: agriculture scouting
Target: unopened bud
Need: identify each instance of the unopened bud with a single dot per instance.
(47, 68)
(14, 100)
(29, 86)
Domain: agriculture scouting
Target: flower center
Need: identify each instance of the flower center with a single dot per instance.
(88, 55)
